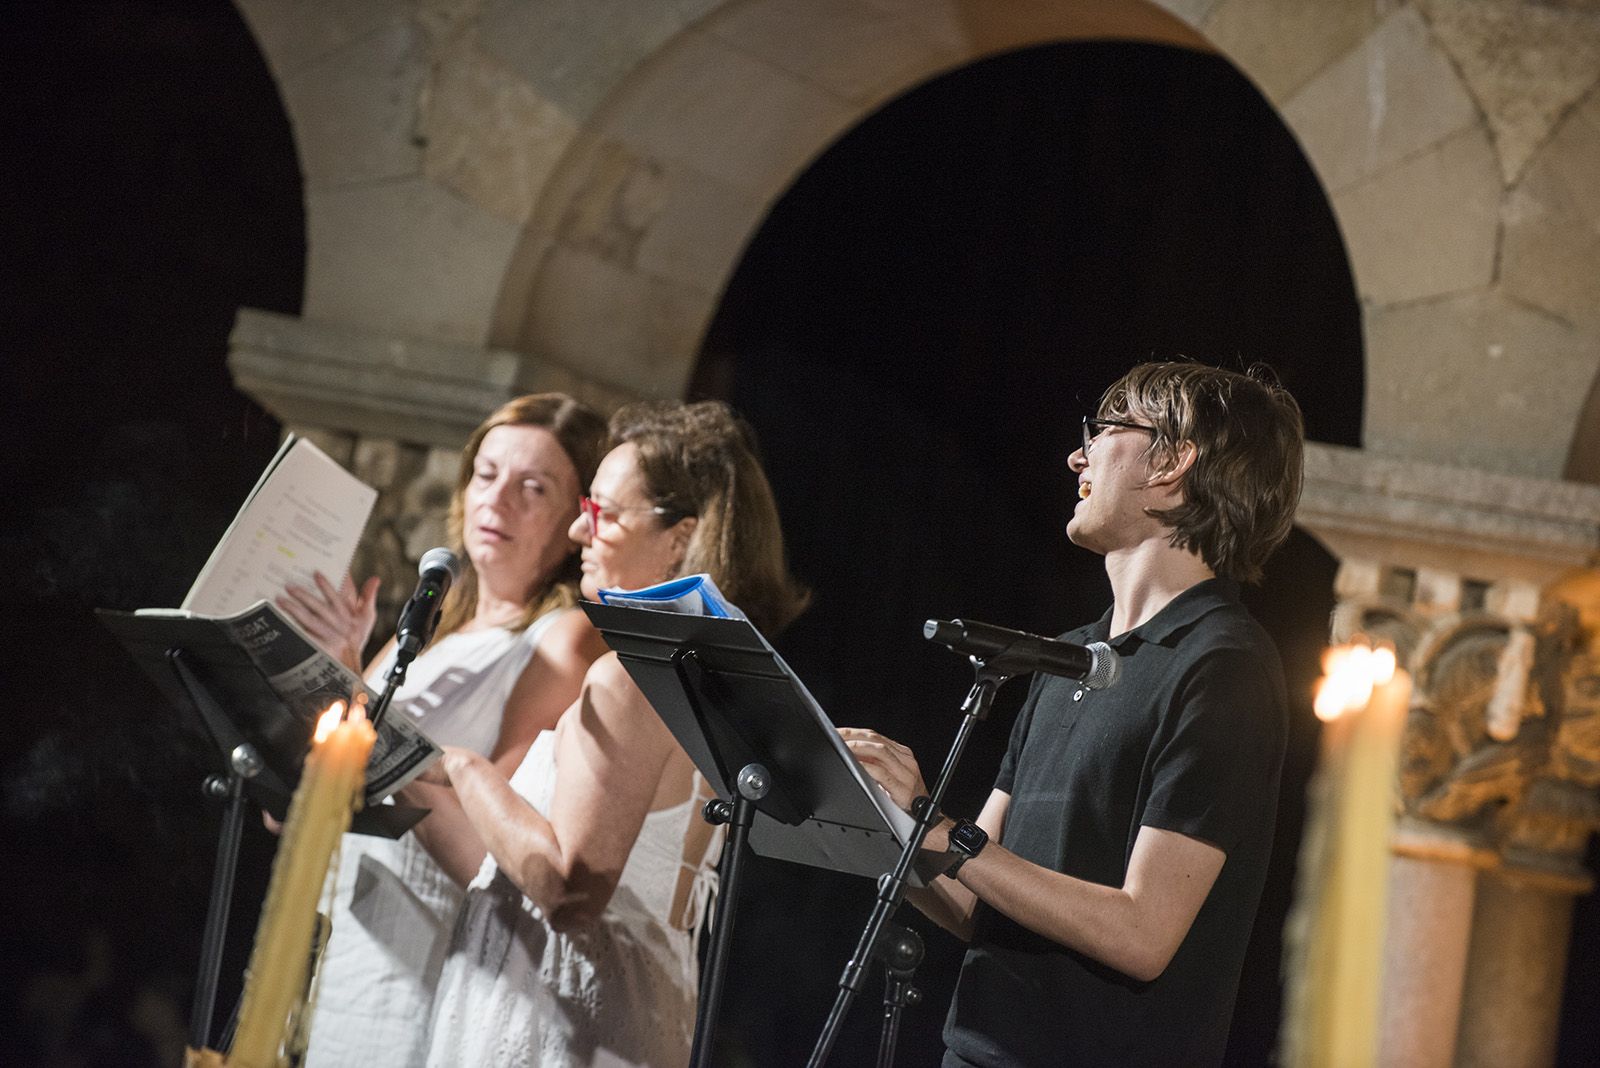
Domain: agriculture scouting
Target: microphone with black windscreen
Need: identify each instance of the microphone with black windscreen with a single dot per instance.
(438, 570)
(1014, 652)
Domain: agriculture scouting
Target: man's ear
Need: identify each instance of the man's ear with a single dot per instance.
(1172, 475)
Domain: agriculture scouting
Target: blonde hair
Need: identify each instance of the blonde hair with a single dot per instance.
(701, 460)
(581, 433)
(1239, 498)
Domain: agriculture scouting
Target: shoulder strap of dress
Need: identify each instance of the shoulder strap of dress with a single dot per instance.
(700, 870)
(537, 628)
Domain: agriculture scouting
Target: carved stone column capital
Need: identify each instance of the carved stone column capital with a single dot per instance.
(1488, 587)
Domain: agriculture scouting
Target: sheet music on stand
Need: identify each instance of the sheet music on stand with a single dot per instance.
(729, 699)
(269, 683)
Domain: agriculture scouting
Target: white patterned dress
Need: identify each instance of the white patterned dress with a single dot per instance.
(393, 906)
(516, 993)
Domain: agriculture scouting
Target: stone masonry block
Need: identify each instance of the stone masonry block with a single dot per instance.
(339, 447)
(1551, 257)
(1426, 226)
(1525, 63)
(1392, 96)
(575, 52)
(1194, 12)
(1380, 513)
(699, 235)
(296, 33)
(635, 332)
(1476, 380)
(850, 49)
(1281, 44)
(740, 120)
(376, 461)
(355, 110)
(1438, 590)
(407, 255)
(490, 136)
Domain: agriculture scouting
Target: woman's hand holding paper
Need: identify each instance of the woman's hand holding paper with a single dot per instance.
(340, 619)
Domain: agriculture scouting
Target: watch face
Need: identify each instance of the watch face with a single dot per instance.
(968, 837)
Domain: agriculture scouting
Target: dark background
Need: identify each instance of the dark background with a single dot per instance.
(915, 333)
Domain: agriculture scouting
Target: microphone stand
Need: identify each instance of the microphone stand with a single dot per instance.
(395, 679)
(892, 887)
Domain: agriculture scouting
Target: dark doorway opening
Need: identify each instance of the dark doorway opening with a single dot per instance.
(916, 330)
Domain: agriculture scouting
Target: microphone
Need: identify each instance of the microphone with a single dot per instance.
(1096, 665)
(438, 568)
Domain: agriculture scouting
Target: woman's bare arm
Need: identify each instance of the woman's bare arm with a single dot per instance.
(546, 688)
(611, 750)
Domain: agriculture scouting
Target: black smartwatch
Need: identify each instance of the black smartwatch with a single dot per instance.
(967, 840)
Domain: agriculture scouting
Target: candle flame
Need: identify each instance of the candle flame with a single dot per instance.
(1349, 675)
(328, 721)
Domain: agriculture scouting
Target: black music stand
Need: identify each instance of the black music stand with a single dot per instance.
(263, 742)
(792, 789)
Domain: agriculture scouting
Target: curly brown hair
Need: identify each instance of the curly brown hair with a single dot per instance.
(1239, 498)
(701, 460)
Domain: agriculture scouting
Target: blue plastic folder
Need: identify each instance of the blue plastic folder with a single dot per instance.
(692, 595)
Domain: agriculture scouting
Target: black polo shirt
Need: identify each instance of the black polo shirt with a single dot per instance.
(1189, 740)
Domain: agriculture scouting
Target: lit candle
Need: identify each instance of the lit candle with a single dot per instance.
(1362, 701)
(329, 791)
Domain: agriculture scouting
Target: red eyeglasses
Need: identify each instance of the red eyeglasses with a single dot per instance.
(594, 512)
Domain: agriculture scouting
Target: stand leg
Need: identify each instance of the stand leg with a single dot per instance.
(216, 929)
(901, 950)
(753, 783)
(243, 763)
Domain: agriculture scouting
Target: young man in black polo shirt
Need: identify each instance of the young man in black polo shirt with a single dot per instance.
(1110, 883)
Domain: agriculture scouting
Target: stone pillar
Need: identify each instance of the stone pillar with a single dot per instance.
(1489, 588)
(395, 412)
(1431, 892)
(1520, 930)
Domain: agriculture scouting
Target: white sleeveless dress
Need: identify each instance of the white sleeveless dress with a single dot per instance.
(392, 905)
(515, 993)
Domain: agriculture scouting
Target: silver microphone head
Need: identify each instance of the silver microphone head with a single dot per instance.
(437, 558)
(1105, 666)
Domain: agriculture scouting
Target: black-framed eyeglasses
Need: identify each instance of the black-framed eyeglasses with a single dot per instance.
(1093, 428)
(594, 511)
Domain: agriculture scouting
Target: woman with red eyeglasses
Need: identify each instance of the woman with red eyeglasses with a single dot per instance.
(508, 658)
(575, 944)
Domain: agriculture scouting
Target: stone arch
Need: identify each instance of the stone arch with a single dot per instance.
(576, 188)
(643, 223)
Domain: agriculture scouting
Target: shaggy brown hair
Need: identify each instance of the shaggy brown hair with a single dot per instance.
(1239, 498)
(581, 432)
(701, 460)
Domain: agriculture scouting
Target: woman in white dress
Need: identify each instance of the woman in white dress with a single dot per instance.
(508, 658)
(575, 944)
